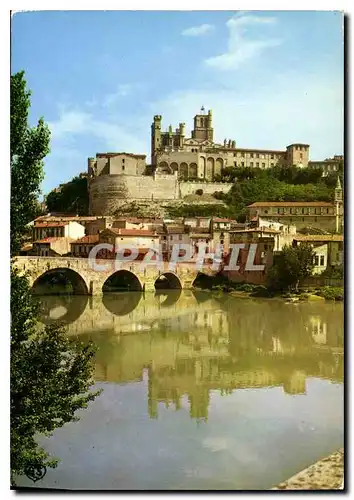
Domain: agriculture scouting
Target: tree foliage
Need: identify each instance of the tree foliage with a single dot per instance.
(29, 146)
(291, 266)
(275, 184)
(71, 198)
(50, 375)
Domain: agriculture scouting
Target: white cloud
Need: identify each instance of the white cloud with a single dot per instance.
(290, 109)
(241, 46)
(123, 90)
(201, 30)
(75, 123)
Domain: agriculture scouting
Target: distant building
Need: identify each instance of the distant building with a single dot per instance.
(83, 246)
(72, 230)
(328, 166)
(52, 246)
(329, 249)
(317, 214)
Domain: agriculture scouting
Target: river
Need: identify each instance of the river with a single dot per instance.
(200, 391)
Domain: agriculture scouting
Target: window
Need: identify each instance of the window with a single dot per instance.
(251, 164)
(317, 260)
(315, 219)
(271, 157)
(322, 260)
(171, 237)
(123, 160)
(257, 155)
(235, 163)
(123, 167)
(234, 154)
(265, 247)
(257, 165)
(263, 165)
(242, 164)
(251, 155)
(272, 164)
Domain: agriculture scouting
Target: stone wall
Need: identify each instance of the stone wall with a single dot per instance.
(187, 188)
(108, 192)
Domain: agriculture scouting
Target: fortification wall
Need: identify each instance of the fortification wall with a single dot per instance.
(107, 193)
(187, 188)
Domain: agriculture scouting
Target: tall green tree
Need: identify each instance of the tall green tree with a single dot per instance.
(50, 375)
(290, 267)
(29, 146)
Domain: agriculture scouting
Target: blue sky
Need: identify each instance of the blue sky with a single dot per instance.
(98, 77)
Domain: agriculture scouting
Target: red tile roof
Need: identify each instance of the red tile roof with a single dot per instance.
(220, 219)
(52, 239)
(176, 229)
(319, 237)
(255, 230)
(109, 155)
(51, 224)
(88, 239)
(291, 204)
(132, 232)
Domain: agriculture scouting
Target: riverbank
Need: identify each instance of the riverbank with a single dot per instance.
(326, 474)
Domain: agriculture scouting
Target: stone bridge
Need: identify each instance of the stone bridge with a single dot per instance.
(87, 281)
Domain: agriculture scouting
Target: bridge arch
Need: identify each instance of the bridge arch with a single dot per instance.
(122, 281)
(121, 304)
(168, 281)
(63, 309)
(45, 283)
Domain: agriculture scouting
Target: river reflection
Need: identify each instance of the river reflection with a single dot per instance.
(179, 352)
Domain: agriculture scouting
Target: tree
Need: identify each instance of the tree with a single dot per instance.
(29, 146)
(291, 266)
(50, 375)
(71, 197)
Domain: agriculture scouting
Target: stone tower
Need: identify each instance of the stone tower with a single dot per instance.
(338, 192)
(155, 137)
(298, 154)
(203, 128)
(338, 202)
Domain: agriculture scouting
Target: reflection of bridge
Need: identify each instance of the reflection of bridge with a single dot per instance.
(86, 281)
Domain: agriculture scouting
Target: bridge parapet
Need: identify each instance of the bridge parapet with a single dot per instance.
(94, 279)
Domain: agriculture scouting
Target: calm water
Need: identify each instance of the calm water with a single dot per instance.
(200, 392)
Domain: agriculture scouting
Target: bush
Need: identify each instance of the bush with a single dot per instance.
(332, 293)
(199, 192)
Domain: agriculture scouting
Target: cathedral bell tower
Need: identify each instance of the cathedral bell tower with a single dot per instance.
(155, 137)
(203, 129)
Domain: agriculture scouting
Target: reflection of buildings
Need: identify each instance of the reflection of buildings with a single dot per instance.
(194, 346)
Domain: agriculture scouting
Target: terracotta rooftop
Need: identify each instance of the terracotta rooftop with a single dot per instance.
(139, 220)
(88, 239)
(200, 235)
(110, 155)
(132, 232)
(221, 219)
(51, 224)
(176, 229)
(291, 204)
(255, 230)
(52, 239)
(319, 237)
